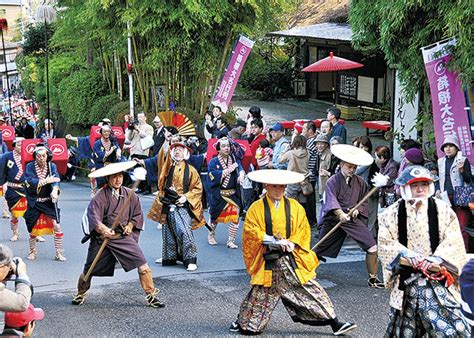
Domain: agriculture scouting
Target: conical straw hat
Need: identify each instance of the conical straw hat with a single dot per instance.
(351, 154)
(276, 176)
(112, 168)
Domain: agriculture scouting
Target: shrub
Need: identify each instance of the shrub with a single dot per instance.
(77, 93)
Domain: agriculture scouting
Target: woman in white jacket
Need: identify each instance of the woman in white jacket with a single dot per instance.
(455, 171)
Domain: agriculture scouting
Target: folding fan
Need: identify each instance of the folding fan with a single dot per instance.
(173, 119)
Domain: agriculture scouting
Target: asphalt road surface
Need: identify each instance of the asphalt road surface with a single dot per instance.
(198, 303)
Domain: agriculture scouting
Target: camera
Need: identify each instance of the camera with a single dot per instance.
(12, 272)
(132, 124)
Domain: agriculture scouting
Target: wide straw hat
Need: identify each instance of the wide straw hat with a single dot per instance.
(113, 168)
(351, 154)
(276, 176)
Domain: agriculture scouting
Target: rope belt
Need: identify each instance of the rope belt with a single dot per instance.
(14, 185)
(43, 199)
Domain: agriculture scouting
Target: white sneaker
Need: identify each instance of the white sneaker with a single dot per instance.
(159, 261)
(211, 238)
(192, 267)
(15, 237)
(232, 245)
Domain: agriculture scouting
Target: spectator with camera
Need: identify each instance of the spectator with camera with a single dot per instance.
(140, 135)
(19, 299)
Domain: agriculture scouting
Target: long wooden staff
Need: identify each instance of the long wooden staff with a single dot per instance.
(366, 197)
(114, 225)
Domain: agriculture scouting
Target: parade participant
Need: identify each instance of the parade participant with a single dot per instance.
(106, 150)
(277, 254)
(466, 282)
(225, 175)
(21, 324)
(115, 204)
(3, 188)
(11, 172)
(424, 231)
(178, 208)
(333, 116)
(42, 216)
(19, 299)
(343, 191)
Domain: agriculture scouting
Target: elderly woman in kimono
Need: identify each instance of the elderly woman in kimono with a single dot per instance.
(42, 216)
(115, 206)
(178, 207)
(225, 174)
(423, 232)
(280, 262)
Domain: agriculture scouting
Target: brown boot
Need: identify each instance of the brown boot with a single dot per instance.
(146, 281)
(82, 287)
(32, 252)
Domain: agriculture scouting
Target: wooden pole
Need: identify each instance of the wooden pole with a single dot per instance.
(366, 197)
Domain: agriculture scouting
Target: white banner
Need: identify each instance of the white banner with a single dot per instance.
(404, 118)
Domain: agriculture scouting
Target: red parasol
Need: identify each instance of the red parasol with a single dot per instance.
(332, 64)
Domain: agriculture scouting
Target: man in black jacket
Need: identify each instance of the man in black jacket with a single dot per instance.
(158, 135)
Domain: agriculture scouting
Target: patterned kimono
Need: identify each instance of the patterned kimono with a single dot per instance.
(11, 172)
(179, 221)
(291, 277)
(225, 200)
(425, 306)
(101, 147)
(41, 210)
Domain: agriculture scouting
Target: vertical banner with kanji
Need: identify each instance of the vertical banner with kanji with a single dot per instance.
(450, 114)
(239, 55)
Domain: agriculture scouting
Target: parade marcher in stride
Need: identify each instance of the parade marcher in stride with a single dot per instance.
(42, 216)
(343, 191)
(225, 174)
(178, 207)
(11, 172)
(425, 232)
(277, 254)
(111, 201)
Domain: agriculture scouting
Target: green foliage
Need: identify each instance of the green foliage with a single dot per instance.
(34, 42)
(102, 108)
(399, 28)
(268, 72)
(119, 110)
(77, 93)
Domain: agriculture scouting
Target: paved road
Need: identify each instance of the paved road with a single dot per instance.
(203, 302)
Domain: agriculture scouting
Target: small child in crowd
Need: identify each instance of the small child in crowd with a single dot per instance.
(264, 154)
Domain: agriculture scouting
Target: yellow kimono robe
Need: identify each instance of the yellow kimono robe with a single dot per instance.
(193, 196)
(254, 232)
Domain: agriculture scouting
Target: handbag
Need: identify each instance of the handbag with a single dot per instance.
(463, 195)
(147, 142)
(306, 187)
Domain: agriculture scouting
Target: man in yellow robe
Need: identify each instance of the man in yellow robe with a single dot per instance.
(178, 207)
(277, 254)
